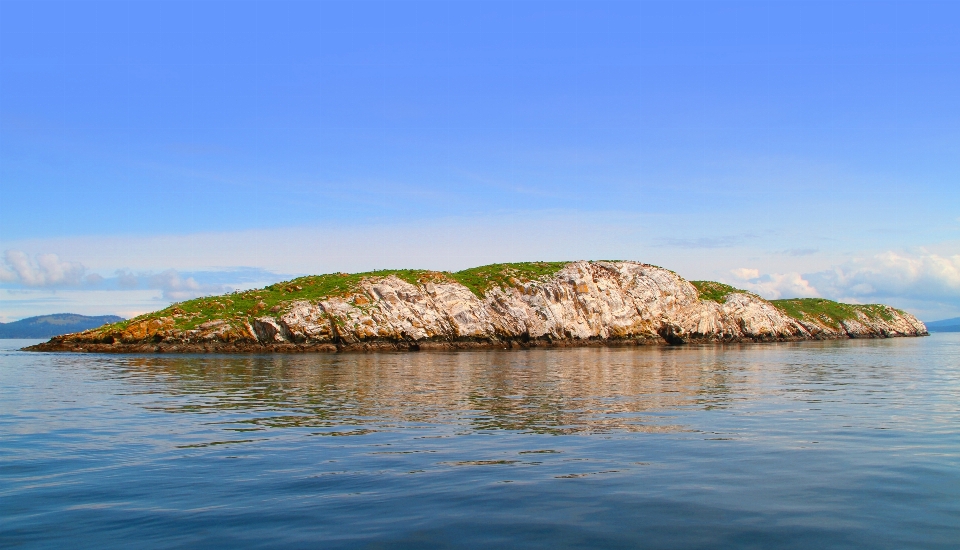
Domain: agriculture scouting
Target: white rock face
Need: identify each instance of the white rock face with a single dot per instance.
(583, 302)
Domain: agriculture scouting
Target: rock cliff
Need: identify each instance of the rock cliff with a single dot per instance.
(563, 304)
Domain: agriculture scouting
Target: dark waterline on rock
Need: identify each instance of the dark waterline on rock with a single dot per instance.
(838, 444)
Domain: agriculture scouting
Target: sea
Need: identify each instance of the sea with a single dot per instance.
(840, 444)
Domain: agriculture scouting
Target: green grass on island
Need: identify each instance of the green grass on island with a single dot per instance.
(714, 291)
(273, 299)
(239, 307)
(481, 279)
(829, 312)
(825, 311)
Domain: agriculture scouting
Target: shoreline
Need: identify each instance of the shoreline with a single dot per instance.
(251, 348)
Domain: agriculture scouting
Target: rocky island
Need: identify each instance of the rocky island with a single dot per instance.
(501, 305)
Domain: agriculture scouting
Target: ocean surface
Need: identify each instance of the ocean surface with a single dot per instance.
(850, 444)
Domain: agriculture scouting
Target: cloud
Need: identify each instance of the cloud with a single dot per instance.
(796, 252)
(745, 274)
(45, 270)
(177, 288)
(47, 273)
(727, 241)
(127, 280)
(127, 294)
(924, 282)
(775, 285)
(918, 275)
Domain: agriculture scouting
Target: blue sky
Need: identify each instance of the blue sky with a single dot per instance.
(153, 151)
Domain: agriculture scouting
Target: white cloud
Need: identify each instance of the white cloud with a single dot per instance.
(921, 281)
(745, 274)
(127, 280)
(177, 288)
(46, 270)
(775, 285)
(48, 285)
(919, 275)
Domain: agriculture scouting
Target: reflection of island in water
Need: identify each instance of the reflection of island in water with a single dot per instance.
(542, 391)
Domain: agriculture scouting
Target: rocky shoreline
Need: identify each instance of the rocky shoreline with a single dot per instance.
(569, 304)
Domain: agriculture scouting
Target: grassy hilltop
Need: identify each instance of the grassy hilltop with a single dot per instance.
(273, 299)
(825, 311)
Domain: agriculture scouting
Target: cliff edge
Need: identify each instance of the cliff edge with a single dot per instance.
(501, 305)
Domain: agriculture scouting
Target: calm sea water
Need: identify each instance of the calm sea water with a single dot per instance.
(852, 444)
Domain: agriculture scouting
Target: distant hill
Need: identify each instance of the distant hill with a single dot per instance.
(47, 326)
(946, 325)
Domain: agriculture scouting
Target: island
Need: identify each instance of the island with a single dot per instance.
(528, 304)
(45, 326)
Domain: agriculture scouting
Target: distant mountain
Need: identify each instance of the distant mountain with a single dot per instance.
(946, 325)
(47, 326)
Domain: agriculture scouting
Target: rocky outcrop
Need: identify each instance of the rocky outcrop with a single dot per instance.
(584, 303)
